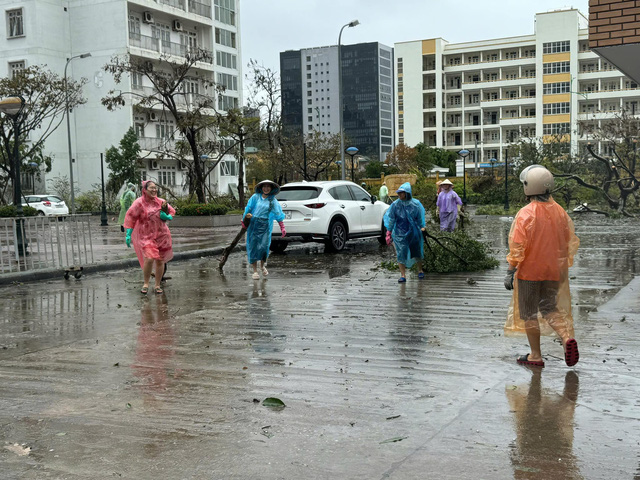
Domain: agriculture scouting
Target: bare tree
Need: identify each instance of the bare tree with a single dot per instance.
(613, 175)
(44, 110)
(176, 90)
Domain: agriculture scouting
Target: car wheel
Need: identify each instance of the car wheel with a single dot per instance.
(40, 213)
(278, 247)
(382, 239)
(337, 236)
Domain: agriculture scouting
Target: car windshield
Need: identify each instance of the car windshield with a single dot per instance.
(298, 193)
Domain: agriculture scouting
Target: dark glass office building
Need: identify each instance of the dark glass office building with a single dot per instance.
(310, 96)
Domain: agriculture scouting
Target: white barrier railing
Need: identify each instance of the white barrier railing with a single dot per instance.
(30, 243)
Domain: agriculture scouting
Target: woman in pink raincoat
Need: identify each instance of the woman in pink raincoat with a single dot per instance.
(146, 225)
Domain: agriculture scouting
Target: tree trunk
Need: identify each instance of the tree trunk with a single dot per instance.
(198, 173)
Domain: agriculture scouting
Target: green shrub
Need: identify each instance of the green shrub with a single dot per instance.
(201, 209)
(88, 202)
(10, 211)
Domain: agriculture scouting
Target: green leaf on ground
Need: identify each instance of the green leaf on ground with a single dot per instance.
(273, 402)
(393, 440)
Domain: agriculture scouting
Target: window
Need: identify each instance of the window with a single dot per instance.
(229, 168)
(165, 129)
(225, 37)
(161, 31)
(555, 67)
(167, 178)
(555, 128)
(225, 102)
(225, 11)
(556, 47)
(15, 23)
(230, 82)
(227, 60)
(341, 192)
(15, 68)
(136, 80)
(555, 108)
(134, 27)
(554, 88)
(188, 42)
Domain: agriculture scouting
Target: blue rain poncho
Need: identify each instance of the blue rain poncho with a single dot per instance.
(405, 220)
(264, 211)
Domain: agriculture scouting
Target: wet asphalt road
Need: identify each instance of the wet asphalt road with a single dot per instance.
(380, 380)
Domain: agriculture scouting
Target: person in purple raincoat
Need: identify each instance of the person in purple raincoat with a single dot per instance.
(448, 202)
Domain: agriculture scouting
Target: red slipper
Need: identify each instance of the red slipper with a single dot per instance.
(524, 360)
(571, 354)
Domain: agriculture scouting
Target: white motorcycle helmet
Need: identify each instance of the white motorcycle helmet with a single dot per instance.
(536, 180)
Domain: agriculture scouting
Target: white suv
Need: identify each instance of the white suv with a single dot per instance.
(331, 212)
(46, 204)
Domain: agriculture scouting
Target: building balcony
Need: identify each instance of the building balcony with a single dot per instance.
(508, 121)
(157, 45)
(201, 8)
(155, 144)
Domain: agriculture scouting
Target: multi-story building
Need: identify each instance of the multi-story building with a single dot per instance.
(482, 96)
(310, 94)
(49, 32)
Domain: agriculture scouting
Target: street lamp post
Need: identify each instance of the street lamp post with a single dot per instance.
(352, 151)
(353, 23)
(103, 214)
(13, 107)
(506, 177)
(464, 153)
(33, 166)
(66, 94)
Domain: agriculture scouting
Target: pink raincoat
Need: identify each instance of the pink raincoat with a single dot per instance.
(151, 237)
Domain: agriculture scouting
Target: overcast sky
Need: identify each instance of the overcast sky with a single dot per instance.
(269, 27)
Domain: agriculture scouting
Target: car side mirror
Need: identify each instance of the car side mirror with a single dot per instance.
(374, 199)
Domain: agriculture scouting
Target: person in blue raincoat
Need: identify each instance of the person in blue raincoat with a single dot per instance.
(262, 209)
(405, 221)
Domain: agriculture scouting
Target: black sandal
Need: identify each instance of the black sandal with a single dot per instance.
(524, 360)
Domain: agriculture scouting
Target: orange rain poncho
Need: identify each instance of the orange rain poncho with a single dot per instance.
(151, 237)
(542, 243)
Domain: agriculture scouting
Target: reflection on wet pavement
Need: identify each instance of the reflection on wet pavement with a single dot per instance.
(544, 423)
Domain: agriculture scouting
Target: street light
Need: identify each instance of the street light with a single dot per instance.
(351, 151)
(13, 107)
(103, 212)
(353, 23)
(66, 93)
(464, 153)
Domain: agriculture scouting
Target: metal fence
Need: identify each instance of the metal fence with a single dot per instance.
(31, 243)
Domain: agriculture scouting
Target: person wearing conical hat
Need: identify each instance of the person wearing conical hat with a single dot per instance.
(262, 209)
(447, 205)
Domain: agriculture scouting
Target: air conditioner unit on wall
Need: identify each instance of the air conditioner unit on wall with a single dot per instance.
(148, 65)
(181, 166)
(153, 117)
(153, 165)
(177, 26)
(147, 17)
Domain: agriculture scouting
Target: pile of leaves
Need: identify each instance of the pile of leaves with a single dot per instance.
(448, 252)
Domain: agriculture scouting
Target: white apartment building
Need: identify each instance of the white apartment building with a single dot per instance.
(482, 96)
(49, 32)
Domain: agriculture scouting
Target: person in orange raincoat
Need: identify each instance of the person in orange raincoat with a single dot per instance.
(542, 243)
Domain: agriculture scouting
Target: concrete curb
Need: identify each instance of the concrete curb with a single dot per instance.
(109, 265)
